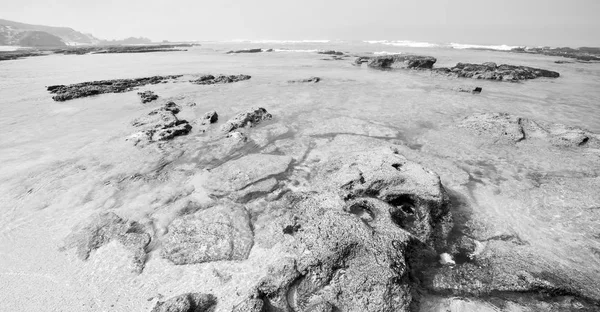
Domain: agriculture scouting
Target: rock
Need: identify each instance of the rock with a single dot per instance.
(84, 89)
(331, 52)
(513, 129)
(247, 51)
(221, 79)
(210, 117)
(238, 174)
(397, 61)
(220, 233)
(584, 54)
(190, 302)
(147, 96)
(104, 228)
(469, 89)
(491, 71)
(250, 118)
(354, 237)
(160, 124)
(311, 79)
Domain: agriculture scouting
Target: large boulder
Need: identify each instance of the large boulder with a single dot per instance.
(354, 235)
(104, 228)
(507, 128)
(190, 302)
(215, 234)
(220, 79)
(249, 118)
(491, 71)
(397, 61)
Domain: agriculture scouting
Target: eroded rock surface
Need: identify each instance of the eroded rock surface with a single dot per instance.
(104, 228)
(397, 61)
(160, 124)
(84, 89)
(190, 302)
(147, 96)
(353, 235)
(249, 118)
(491, 71)
(220, 79)
(513, 129)
(218, 233)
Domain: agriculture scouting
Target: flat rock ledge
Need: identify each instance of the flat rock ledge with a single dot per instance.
(511, 129)
(219, 233)
(105, 227)
(190, 302)
(491, 71)
(85, 89)
(397, 61)
(160, 124)
(220, 79)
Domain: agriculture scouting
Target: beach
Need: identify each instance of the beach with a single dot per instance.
(515, 218)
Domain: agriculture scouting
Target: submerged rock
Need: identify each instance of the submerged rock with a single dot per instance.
(397, 61)
(210, 117)
(311, 79)
(214, 234)
(84, 89)
(513, 129)
(249, 118)
(147, 96)
(210, 79)
(238, 174)
(104, 228)
(491, 71)
(190, 302)
(160, 124)
(469, 89)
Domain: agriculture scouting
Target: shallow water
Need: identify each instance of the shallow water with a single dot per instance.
(62, 161)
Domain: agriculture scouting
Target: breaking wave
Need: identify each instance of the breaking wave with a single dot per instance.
(405, 43)
(386, 53)
(298, 51)
(502, 47)
(277, 41)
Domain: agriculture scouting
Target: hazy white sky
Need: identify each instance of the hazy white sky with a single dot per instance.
(513, 22)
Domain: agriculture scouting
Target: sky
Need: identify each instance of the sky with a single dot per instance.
(511, 22)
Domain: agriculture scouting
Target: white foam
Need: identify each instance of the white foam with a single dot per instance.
(386, 53)
(298, 51)
(9, 48)
(277, 41)
(404, 43)
(502, 47)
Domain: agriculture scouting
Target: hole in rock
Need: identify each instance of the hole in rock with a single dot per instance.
(584, 141)
(362, 211)
(404, 202)
(397, 166)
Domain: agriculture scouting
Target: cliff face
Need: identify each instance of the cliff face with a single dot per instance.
(12, 32)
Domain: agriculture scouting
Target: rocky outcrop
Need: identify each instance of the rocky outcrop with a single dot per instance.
(307, 80)
(147, 96)
(512, 129)
(210, 79)
(249, 51)
(355, 235)
(210, 117)
(190, 302)
(397, 61)
(491, 71)
(249, 118)
(160, 124)
(218, 233)
(585, 54)
(331, 52)
(104, 228)
(84, 89)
